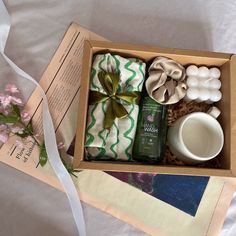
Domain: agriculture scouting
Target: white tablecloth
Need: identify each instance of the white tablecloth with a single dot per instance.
(29, 207)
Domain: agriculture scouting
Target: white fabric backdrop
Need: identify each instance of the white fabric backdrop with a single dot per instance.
(29, 207)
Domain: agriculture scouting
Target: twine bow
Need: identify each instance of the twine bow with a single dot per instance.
(115, 109)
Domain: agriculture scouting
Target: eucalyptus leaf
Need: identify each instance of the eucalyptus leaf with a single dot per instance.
(8, 119)
(69, 168)
(16, 110)
(23, 135)
(43, 157)
(30, 127)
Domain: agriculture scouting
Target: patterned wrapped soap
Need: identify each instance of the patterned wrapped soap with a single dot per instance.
(116, 83)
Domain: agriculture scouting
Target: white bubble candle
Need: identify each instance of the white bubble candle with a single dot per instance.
(203, 84)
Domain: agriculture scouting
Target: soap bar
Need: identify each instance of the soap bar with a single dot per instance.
(151, 132)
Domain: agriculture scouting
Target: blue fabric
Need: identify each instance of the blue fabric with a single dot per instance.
(182, 192)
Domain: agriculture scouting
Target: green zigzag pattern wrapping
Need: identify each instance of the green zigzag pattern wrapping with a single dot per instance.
(90, 136)
(100, 67)
(93, 121)
(120, 138)
(100, 63)
(102, 151)
(118, 71)
(116, 143)
(141, 82)
(132, 71)
(93, 73)
(126, 134)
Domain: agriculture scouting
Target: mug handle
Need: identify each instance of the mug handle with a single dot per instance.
(214, 112)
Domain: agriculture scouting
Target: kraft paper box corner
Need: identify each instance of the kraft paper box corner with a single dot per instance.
(227, 64)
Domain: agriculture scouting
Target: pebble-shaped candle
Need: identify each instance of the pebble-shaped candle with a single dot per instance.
(192, 70)
(215, 73)
(203, 95)
(214, 84)
(203, 84)
(215, 95)
(192, 81)
(192, 94)
(203, 72)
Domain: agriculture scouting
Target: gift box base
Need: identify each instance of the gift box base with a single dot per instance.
(227, 64)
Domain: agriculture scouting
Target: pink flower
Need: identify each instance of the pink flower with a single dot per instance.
(25, 116)
(15, 100)
(6, 111)
(19, 144)
(11, 88)
(3, 137)
(3, 127)
(5, 100)
(16, 129)
(29, 139)
(60, 145)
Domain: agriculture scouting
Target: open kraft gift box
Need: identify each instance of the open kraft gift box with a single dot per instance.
(227, 65)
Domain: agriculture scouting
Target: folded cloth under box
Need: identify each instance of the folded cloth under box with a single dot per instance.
(108, 137)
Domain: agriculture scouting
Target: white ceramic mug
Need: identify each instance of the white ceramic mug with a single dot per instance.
(196, 137)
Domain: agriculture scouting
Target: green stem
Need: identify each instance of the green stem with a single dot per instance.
(69, 168)
(29, 131)
(72, 173)
(36, 141)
